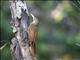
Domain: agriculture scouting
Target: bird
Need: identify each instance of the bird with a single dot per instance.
(32, 32)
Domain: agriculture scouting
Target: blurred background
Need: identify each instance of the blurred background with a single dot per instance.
(59, 29)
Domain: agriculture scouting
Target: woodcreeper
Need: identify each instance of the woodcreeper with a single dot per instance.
(32, 31)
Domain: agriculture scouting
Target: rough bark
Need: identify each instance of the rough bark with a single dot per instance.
(20, 23)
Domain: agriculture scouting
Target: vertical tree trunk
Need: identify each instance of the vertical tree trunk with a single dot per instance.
(23, 45)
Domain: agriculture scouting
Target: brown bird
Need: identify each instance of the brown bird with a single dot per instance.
(32, 31)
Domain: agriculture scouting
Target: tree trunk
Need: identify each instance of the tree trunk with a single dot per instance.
(23, 45)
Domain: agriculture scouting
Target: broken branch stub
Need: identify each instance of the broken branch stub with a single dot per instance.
(23, 44)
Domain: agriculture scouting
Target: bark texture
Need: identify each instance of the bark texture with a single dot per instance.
(21, 46)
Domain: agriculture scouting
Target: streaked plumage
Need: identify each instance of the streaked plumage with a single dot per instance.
(32, 31)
